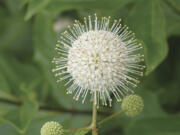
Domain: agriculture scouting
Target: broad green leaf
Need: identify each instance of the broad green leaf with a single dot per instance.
(82, 132)
(13, 5)
(6, 129)
(35, 6)
(15, 36)
(8, 72)
(23, 3)
(45, 40)
(156, 125)
(21, 118)
(6, 95)
(147, 21)
(101, 7)
(91, 4)
(172, 19)
(16, 73)
(3, 83)
(4, 108)
(174, 4)
(34, 128)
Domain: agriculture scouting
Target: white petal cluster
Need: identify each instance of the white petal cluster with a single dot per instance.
(99, 58)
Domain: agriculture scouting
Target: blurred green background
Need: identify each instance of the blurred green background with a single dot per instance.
(29, 94)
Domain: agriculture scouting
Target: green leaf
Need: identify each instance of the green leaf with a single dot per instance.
(6, 129)
(148, 22)
(45, 40)
(4, 108)
(36, 124)
(35, 6)
(82, 132)
(15, 37)
(13, 30)
(172, 19)
(100, 7)
(156, 125)
(3, 83)
(23, 3)
(91, 4)
(116, 4)
(174, 4)
(14, 73)
(8, 72)
(13, 5)
(21, 118)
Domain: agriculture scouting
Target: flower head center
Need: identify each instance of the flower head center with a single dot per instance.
(94, 60)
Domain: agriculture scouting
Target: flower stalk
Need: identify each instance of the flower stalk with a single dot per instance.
(94, 119)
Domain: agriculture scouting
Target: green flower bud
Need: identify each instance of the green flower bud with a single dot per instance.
(52, 128)
(132, 105)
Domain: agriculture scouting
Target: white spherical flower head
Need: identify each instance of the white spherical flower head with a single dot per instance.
(99, 58)
(94, 60)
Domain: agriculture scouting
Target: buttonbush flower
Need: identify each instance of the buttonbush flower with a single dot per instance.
(100, 58)
(132, 105)
(52, 128)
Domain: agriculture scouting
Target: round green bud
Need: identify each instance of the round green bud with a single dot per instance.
(132, 105)
(52, 128)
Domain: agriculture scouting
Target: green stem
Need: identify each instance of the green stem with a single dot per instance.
(76, 129)
(94, 119)
(110, 117)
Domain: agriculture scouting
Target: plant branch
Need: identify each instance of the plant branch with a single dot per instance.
(76, 129)
(110, 117)
(55, 109)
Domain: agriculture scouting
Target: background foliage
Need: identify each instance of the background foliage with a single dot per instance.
(29, 95)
